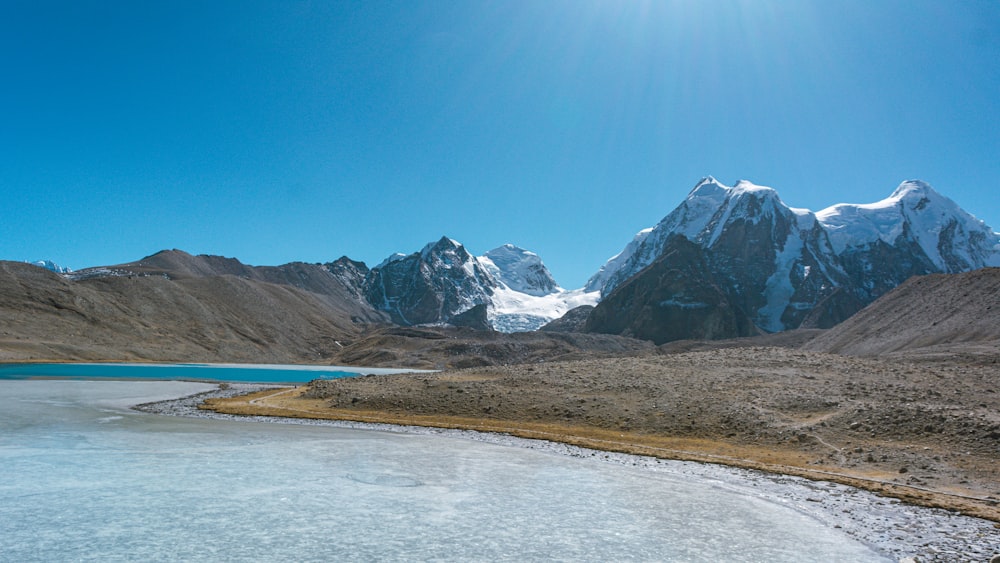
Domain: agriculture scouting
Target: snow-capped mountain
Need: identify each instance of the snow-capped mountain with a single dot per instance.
(728, 261)
(444, 280)
(951, 239)
(778, 257)
(51, 266)
(785, 267)
(430, 286)
(520, 270)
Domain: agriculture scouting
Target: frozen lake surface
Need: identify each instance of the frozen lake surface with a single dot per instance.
(86, 479)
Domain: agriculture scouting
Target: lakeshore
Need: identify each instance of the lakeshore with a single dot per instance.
(924, 433)
(289, 403)
(899, 530)
(818, 433)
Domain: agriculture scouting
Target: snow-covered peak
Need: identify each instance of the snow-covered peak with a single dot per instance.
(952, 239)
(711, 205)
(51, 266)
(520, 270)
(709, 187)
(444, 244)
(598, 281)
(527, 297)
(748, 187)
(749, 201)
(914, 189)
(392, 258)
(910, 192)
(701, 218)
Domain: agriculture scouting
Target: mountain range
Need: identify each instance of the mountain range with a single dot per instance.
(512, 287)
(736, 261)
(729, 261)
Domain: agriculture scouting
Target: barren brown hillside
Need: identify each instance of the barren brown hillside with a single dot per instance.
(932, 316)
(218, 318)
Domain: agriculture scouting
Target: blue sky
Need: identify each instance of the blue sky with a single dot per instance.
(297, 130)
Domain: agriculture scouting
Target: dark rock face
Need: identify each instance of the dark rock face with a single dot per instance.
(673, 298)
(573, 321)
(475, 318)
(350, 273)
(430, 286)
(878, 267)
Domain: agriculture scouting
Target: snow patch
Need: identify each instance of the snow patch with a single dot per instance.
(779, 289)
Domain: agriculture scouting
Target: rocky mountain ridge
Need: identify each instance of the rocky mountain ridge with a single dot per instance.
(430, 286)
(784, 267)
(444, 280)
(138, 314)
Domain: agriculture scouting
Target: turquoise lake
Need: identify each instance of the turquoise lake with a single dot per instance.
(241, 373)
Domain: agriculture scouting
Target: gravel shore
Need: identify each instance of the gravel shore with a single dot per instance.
(900, 531)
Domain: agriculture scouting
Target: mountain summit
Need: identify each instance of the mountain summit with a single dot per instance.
(444, 281)
(941, 232)
(785, 267)
(520, 270)
(430, 286)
